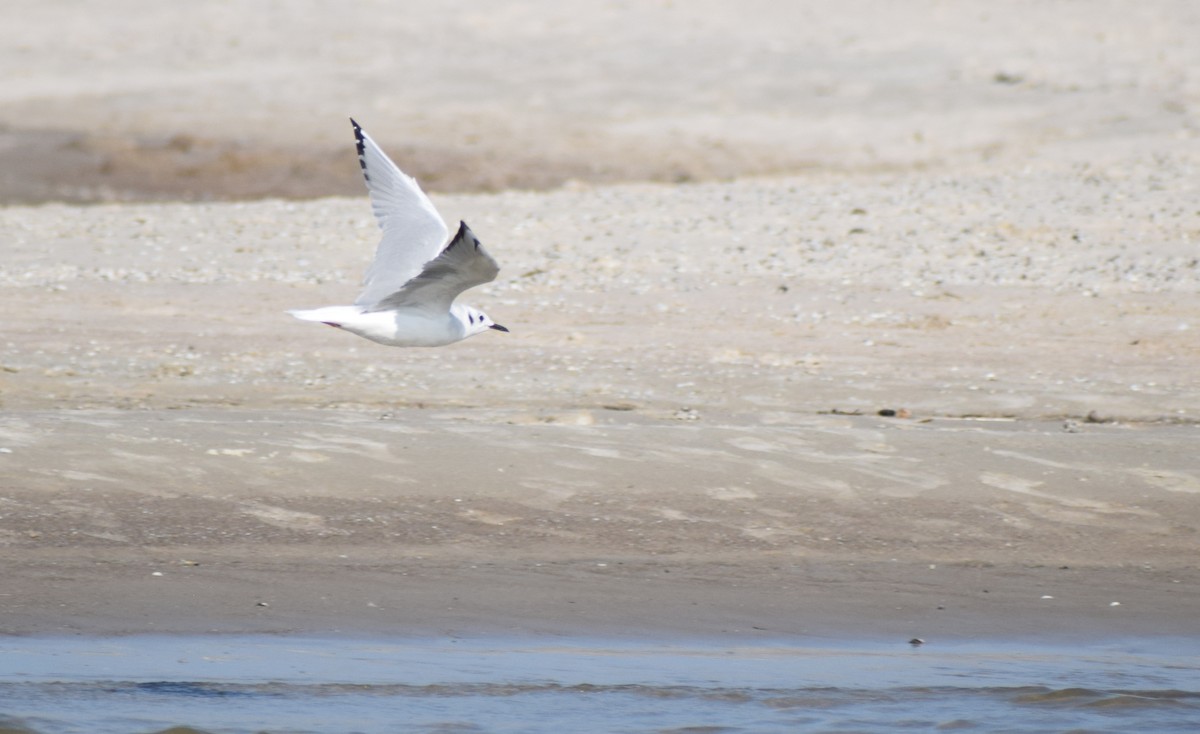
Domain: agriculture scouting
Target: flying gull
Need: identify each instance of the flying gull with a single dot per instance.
(408, 293)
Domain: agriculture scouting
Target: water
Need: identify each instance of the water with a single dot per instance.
(235, 685)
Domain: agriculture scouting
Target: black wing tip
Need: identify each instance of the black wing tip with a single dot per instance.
(361, 144)
(464, 234)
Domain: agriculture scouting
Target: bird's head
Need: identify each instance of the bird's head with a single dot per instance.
(477, 321)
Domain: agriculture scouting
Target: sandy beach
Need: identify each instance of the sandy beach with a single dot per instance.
(875, 321)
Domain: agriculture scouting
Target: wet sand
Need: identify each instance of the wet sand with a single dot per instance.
(995, 240)
(466, 522)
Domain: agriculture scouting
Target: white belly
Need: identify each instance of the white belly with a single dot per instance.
(398, 329)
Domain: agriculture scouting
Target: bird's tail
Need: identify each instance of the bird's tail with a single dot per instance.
(334, 315)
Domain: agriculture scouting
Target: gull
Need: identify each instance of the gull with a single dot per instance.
(409, 290)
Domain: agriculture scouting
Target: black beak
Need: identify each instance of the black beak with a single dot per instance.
(498, 327)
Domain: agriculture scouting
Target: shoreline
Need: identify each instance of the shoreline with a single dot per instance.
(894, 604)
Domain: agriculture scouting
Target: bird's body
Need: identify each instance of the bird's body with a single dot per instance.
(396, 328)
(409, 291)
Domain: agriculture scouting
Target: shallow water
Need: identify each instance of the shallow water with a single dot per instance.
(274, 684)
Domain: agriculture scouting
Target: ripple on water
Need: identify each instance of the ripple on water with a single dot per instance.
(224, 685)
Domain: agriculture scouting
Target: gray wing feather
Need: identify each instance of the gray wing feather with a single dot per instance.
(463, 264)
(413, 231)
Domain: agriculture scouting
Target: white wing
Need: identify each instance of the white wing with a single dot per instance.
(462, 265)
(413, 231)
